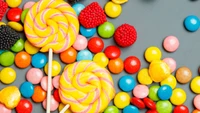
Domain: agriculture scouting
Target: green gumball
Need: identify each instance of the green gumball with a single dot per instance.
(18, 46)
(111, 109)
(7, 58)
(106, 30)
(164, 106)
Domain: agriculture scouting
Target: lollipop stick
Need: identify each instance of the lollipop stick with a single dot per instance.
(49, 81)
(65, 108)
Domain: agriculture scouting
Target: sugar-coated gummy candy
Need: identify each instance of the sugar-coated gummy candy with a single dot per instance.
(101, 59)
(56, 68)
(26, 89)
(84, 55)
(80, 43)
(111, 109)
(141, 91)
(127, 83)
(78, 8)
(18, 46)
(121, 100)
(34, 75)
(191, 23)
(24, 106)
(130, 109)
(7, 58)
(39, 60)
(112, 10)
(164, 92)
(87, 32)
(106, 30)
(8, 75)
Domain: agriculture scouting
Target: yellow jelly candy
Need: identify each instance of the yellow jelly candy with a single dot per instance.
(56, 68)
(121, 100)
(101, 59)
(8, 75)
(113, 10)
(13, 3)
(159, 70)
(171, 81)
(119, 1)
(61, 106)
(2, 23)
(178, 96)
(16, 26)
(153, 53)
(143, 77)
(195, 84)
(30, 48)
(10, 96)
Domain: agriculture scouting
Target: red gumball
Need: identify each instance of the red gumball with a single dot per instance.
(152, 111)
(132, 64)
(14, 14)
(95, 45)
(138, 103)
(56, 95)
(112, 52)
(24, 106)
(181, 109)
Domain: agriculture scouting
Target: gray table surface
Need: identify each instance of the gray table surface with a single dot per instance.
(154, 20)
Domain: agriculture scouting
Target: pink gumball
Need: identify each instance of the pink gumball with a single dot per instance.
(34, 75)
(28, 5)
(55, 81)
(141, 91)
(54, 104)
(197, 102)
(44, 84)
(171, 63)
(80, 43)
(171, 43)
(3, 109)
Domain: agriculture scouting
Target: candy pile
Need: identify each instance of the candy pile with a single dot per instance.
(86, 83)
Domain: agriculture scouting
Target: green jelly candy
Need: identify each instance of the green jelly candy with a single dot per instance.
(164, 106)
(23, 15)
(106, 30)
(111, 109)
(18, 46)
(7, 58)
(153, 91)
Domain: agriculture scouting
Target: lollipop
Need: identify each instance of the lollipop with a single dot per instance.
(86, 87)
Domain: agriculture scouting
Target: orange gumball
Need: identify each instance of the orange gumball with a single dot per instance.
(39, 94)
(22, 59)
(69, 55)
(116, 65)
(196, 111)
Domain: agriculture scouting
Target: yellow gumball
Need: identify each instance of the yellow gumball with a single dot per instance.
(122, 100)
(30, 48)
(61, 106)
(143, 77)
(171, 81)
(195, 84)
(8, 75)
(178, 96)
(56, 68)
(153, 53)
(13, 3)
(113, 10)
(101, 59)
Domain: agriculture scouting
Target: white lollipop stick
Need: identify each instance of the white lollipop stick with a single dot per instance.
(49, 81)
(65, 108)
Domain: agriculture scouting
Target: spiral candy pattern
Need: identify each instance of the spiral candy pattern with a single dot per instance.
(86, 87)
(51, 24)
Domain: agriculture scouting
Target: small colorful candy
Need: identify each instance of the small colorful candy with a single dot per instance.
(44, 82)
(8, 75)
(22, 59)
(18, 46)
(80, 43)
(68, 56)
(23, 15)
(130, 109)
(13, 3)
(106, 30)
(171, 43)
(7, 58)
(183, 75)
(144, 77)
(164, 92)
(132, 64)
(26, 89)
(112, 52)
(195, 84)
(56, 95)
(55, 81)
(95, 44)
(149, 103)
(116, 66)
(16, 26)
(101, 59)
(153, 92)
(39, 60)
(137, 102)
(87, 32)
(39, 94)
(127, 83)
(56, 68)
(3, 109)
(54, 104)
(196, 102)
(196, 111)
(121, 100)
(181, 109)
(14, 14)
(30, 48)
(164, 106)
(153, 53)
(28, 5)
(24, 106)
(191, 23)
(84, 55)
(141, 91)
(178, 96)
(34, 75)
(111, 109)
(171, 63)
(152, 111)
(171, 81)
(78, 8)
(113, 10)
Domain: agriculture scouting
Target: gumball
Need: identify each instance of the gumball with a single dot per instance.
(111, 109)
(39, 94)
(153, 53)
(68, 56)
(171, 43)
(112, 52)
(191, 23)
(152, 111)
(84, 55)
(130, 109)
(39, 60)
(171, 63)
(196, 102)
(178, 96)
(24, 106)
(113, 10)
(95, 44)
(56, 95)
(22, 59)
(28, 5)
(34, 75)
(55, 81)
(8, 75)
(195, 84)
(26, 89)
(101, 59)
(164, 92)
(87, 32)
(149, 103)
(56, 68)
(116, 66)
(23, 15)
(122, 100)
(137, 102)
(44, 84)
(196, 111)
(61, 106)
(181, 109)
(13, 3)
(16, 26)
(153, 92)
(54, 104)
(80, 43)
(171, 81)
(141, 91)
(106, 30)
(18, 46)
(30, 48)
(183, 75)
(164, 106)
(78, 8)
(7, 58)
(144, 77)
(14, 14)
(132, 64)
(127, 83)
(4, 109)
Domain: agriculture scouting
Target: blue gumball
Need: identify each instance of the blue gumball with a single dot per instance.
(26, 89)
(39, 60)
(165, 92)
(191, 23)
(130, 109)
(84, 55)
(127, 83)
(87, 32)
(78, 8)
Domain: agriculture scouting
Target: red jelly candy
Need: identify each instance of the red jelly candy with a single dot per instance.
(181, 109)
(132, 64)
(56, 95)
(149, 103)
(14, 14)
(24, 106)
(152, 111)
(95, 45)
(112, 52)
(138, 103)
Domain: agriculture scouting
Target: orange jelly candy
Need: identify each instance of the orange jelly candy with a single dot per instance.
(39, 94)
(69, 55)
(22, 59)
(116, 66)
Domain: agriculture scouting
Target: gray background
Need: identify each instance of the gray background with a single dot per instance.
(154, 20)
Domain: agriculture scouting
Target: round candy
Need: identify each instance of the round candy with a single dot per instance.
(61, 106)
(56, 68)
(95, 44)
(112, 52)
(34, 75)
(171, 43)
(196, 102)
(80, 43)
(178, 96)
(22, 59)
(141, 91)
(149, 103)
(4, 109)
(2, 23)
(14, 14)
(23, 15)
(164, 106)
(196, 111)
(195, 84)
(24, 106)
(13, 3)
(87, 32)
(44, 84)
(153, 53)
(191, 23)
(143, 77)
(78, 8)
(116, 66)
(181, 109)
(68, 56)
(130, 109)
(30, 48)
(137, 102)
(153, 93)
(54, 104)
(111, 109)
(55, 81)
(101, 59)
(26, 89)
(18, 46)
(122, 100)
(171, 81)
(113, 10)
(39, 60)
(183, 75)
(7, 58)
(164, 92)
(127, 83)
(132, 64)
(152, 111)
(8, 75)
(28, 5)
(171, 63)
(16, 26)
(39, 94)
(84, 55)
(106, 30)
(56, 95)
